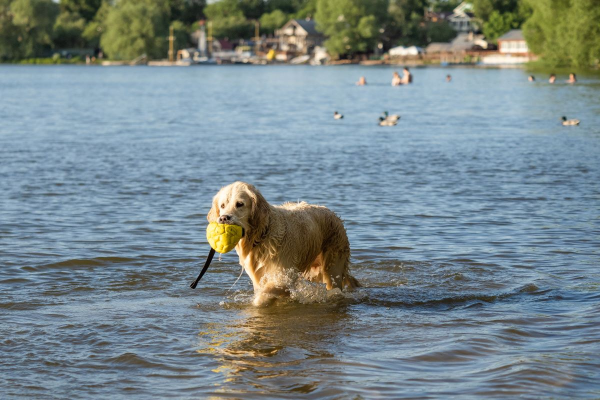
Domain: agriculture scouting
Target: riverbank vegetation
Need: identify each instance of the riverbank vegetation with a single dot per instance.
(564, 33)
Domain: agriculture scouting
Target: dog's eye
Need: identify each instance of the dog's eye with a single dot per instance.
(223, 205)
(239, 204)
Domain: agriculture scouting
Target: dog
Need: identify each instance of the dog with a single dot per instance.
(307, 240)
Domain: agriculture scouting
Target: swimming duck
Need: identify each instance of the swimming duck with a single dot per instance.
(387, 122)
(389, 117)
(337, 115)
(569, 122)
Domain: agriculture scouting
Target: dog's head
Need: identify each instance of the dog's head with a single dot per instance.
(241, 204)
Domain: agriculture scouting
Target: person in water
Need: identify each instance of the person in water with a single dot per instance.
(396, 80)
(406, 77)
(448, 78)
(552, 78)
(531, 78)
(572, 78)
(362, 81)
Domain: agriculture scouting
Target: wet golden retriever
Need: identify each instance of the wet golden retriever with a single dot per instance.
(307, 240)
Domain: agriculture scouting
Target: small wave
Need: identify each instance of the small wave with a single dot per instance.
(81, 262)
(127, 360)
(420, 299)
(132, 359)
(28, 306)
(435, 216)
(15, 280)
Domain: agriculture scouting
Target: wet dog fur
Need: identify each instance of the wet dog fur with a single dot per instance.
(305, 239)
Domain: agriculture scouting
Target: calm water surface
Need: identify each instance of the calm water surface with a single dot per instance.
(474, 226)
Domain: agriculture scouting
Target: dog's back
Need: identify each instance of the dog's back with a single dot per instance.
(325, 250)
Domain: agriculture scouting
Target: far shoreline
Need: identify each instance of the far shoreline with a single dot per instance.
(531, 66)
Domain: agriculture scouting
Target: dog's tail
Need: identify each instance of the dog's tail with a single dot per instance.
(350, 282)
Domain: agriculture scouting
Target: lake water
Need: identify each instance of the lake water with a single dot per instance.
(474, 226)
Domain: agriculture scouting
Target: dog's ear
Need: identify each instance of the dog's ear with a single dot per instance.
(213, 214)
(259, 215)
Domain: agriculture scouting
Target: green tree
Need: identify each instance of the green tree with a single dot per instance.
(287, 6)
(87, 9)
(564, 32)
(496, 17)
(181, 34)
(68, 30)
(34, 21)
(404, 23)
(252, 9)
(439, 32)
(228, 20)
(351, 25)
(445, 5)
(306, 9)
(272, 21)
(94, 29)
(9, 33)
(136, 27)
(483, 9)
(187, 11)
(498, 25)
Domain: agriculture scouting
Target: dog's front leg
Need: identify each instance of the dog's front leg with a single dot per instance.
(267, 295)
(251, 267)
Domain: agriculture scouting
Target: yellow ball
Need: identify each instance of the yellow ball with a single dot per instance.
(223, 237)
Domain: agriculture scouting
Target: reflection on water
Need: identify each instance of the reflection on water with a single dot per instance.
(473, 227)
(267, 347)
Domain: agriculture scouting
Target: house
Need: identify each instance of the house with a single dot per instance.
(512, 50)
(513, 42)
(462, 18)
(299, 36)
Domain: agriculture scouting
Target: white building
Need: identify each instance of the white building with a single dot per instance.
(512, 50)
(513, 42)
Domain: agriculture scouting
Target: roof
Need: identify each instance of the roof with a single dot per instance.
(463, 8)
(307, 25)
(513, 34)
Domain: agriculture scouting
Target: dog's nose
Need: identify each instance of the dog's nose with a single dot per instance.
(224, 218)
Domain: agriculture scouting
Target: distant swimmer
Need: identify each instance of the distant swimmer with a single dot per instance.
(448, 78)
(572, 78)
(362, 81)
(531, 78)
(569, 122)
(552, 78)
(396, 80)
(337, 115)
(406, 77)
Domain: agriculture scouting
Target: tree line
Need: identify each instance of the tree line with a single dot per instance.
(563, 32)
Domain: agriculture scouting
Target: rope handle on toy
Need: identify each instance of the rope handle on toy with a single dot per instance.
(211, 254)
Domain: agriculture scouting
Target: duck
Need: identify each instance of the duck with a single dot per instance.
(337, 115)
(387, 122)
(569, 122)
(389, 117)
